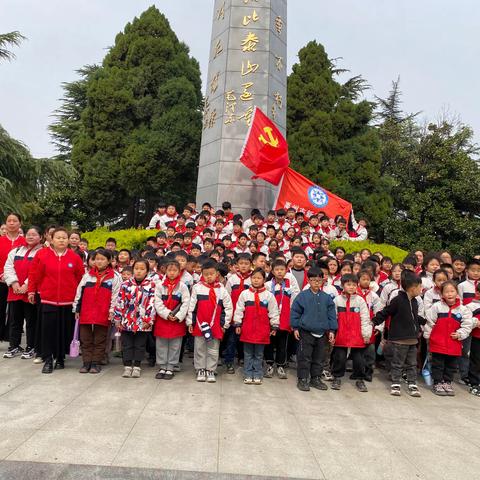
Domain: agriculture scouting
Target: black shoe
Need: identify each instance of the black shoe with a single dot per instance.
(59, 364)
(337, 383)
(316, 382)
(361, 387)
(230, 368)
(302, 384)
(151, 362)
(48, 366)
(368, 377)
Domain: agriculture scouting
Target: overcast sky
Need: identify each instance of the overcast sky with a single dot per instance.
(432, 44)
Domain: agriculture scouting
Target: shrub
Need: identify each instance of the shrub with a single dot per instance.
(131, 238)
(395, 253)
(135, 239)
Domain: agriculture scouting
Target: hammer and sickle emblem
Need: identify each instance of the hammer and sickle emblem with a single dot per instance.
(270, 140)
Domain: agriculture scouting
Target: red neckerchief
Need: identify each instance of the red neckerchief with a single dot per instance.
(171, 286)
(188, 248)
(363, 293)
(211, 291)
(100, 276)
(242, 280)
(451, 307)
(257, 292)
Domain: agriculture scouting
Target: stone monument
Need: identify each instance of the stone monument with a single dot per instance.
(247, 68)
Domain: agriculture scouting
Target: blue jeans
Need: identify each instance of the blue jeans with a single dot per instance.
(253, 360)
(230, 342)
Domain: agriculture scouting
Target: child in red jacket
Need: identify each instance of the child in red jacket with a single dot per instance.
(171, 304)
(55, 274)
(354, 332)
(256, 318)
(209, 315)
(448, 323)
(285, 289)
(93, 307)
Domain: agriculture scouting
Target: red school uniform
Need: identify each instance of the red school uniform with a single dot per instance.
(6, 245)
(354, 325)
(171, 296)
(96, 296)
(284, 294)
(257, 313)
(442, 321)
(209, 303)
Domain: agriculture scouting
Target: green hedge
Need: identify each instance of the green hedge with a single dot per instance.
(395, 253)
(135, 239)
(131, 239)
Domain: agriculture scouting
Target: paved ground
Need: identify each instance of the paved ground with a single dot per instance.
(225, 428)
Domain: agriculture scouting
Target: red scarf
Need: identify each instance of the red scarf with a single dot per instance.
(242, 280)
(211, 291)
(451, 307)
(171, 286)
(257, 292)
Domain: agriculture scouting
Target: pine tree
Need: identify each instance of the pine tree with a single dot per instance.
(331, 139)
(140, 132)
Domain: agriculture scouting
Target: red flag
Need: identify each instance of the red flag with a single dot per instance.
(265, 151)
(301, 194)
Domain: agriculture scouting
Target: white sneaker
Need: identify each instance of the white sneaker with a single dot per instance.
(127, 372)
(211, 377)
(248, 381)
(269, 371)
(257, 381)
(201, 375)
(136, 372)
(282, 373)
(38, 360)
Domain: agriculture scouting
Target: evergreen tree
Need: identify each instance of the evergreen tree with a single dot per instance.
(331, 139)
(436, 203)
(140, 132)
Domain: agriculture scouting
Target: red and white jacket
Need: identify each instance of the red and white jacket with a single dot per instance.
(236, 284)
(285, 293)
(257, 313)
(16, 269)
(55, 277)
(6, 244)
(442, 321)
(467, 290)
(171, 297)
(212, 305)
(374, 305)
(474, 307)
(96, 297)
(354, 324)
(431, 296)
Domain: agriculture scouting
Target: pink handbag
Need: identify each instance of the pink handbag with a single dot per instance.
(75, 343)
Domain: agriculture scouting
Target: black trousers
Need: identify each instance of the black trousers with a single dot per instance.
(18, 312)
(443, 367)
(310, 355)
(474, 369)
(57, 327)
(3, 312)
(276, 350)
(339, 361)
(133, 347)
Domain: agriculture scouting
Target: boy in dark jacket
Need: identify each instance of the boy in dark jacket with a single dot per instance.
(403, 332)
(313, 319)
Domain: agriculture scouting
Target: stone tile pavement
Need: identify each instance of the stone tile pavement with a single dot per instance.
(103, 426)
